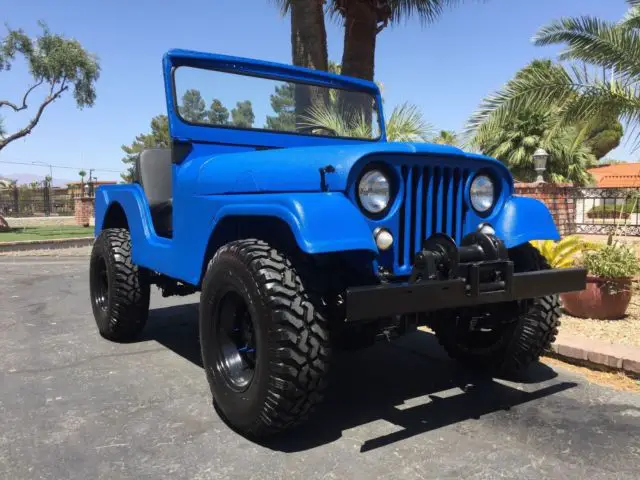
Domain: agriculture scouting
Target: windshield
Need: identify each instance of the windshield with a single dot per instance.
(231, 100)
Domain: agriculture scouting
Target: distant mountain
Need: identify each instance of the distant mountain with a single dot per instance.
(27, 178)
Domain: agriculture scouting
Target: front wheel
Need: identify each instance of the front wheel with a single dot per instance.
(119, 290)
(519, 334)
(264, 339)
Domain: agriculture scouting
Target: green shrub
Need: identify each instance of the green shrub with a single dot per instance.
(614, 211)
(612, 261)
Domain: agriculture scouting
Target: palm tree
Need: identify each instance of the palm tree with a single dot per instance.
(308, 45)
(364, 19)
(447, 137)
(82, 174)
(601, 80)
(514, 140)
(406, 123)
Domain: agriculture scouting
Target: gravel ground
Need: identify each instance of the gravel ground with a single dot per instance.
(625, 331)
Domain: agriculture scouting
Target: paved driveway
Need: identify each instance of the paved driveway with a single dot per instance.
(74, 406)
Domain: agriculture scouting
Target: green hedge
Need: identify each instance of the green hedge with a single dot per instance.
(614, 211)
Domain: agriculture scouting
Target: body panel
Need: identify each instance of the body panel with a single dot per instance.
(523, 219)
(183, 256)
(298, 169)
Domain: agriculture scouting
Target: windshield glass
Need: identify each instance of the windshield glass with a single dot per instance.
(221, 99)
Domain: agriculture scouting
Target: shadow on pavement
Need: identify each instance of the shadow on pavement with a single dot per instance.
(409, 383)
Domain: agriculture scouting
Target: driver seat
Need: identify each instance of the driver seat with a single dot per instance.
(153, 173)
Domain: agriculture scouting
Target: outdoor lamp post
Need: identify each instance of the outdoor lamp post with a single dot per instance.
(540, 158)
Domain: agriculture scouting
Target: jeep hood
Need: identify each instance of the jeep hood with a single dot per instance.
(298, 169)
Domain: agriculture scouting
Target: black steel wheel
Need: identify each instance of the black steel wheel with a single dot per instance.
(235, 339)
(119, 290)
(512, 336)
(264, 339)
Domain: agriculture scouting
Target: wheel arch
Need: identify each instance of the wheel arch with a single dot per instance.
(269, 228)
(278, 233)
(115, 217)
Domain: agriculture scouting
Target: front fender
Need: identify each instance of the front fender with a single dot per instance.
(523, 219)
(146, 246)
(320, 222)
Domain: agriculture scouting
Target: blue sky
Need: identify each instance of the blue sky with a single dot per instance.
(445, 68)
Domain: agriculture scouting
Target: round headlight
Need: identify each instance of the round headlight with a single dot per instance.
(374, 191)
(482, 193)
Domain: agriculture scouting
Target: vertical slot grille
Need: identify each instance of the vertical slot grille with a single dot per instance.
(433, 202)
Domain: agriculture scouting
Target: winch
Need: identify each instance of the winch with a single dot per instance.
(481, 259)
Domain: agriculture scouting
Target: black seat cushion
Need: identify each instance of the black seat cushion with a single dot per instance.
(153, 173)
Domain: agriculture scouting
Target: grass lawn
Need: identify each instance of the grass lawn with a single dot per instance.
(45, 233)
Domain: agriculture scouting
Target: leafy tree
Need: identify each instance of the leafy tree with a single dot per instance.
(604, 136)
(157, 138)
(218, 114)
(579, 94)
(242, 116)
(82, 174)
(446, 137)
(56, 64)
(283, 104)
(193, 108)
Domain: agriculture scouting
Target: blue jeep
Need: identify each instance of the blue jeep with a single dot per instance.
(309, 231)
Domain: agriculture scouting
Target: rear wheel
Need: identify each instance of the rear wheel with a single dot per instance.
(264, 339)
(516, 334)
(119, 290)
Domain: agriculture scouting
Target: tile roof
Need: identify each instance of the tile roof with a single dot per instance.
(619, 175)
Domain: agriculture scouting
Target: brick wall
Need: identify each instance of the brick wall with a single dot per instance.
(559, 200)
(83, 211)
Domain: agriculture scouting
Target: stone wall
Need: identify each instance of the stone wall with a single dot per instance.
(84, 211)
(559, 200)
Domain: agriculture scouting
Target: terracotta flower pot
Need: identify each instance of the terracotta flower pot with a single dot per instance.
(604, 299)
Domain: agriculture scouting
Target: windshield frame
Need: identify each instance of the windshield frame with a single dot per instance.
(239, 70)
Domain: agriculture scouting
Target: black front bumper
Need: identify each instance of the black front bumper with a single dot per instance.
(378, 301)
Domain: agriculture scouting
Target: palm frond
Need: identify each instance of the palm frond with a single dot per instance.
(595, 41)
(536, 87)
(406, 124)
(632, 18)
(427, 11)
(283, 5)
(326, 120)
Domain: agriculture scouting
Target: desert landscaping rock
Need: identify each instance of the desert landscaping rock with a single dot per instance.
(625, 331)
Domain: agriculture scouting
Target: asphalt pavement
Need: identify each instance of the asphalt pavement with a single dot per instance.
(75, 406)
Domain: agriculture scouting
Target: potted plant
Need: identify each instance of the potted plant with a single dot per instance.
(609, 283)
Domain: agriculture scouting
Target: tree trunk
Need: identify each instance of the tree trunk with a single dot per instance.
(360, 30)
(308, 49)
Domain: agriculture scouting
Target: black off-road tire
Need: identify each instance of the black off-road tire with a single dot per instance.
(518, 343)
(119, 289)
(290, 335)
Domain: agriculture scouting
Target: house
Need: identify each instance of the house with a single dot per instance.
(617, 175)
